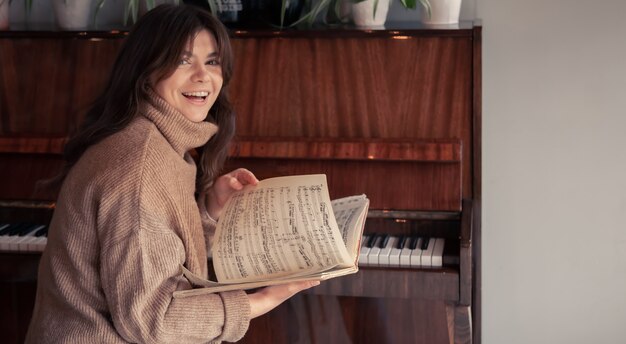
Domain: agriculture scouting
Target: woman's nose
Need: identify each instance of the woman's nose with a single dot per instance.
(201, 73)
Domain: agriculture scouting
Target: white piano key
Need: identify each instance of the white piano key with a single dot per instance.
(385, 252)
(416, 253)
(437, 258)
(394, 255)
(38, 245)
(25, 246)
(7, 239)
(405, 253)
(364, 250)
(17, 244)
(427, 254)
(372, 256)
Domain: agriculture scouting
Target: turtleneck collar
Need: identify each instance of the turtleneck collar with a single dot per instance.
(179, 131)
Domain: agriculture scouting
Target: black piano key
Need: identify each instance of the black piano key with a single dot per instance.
(27, 230)
(384, 240)
(18, 229)
(377, 240)
(425, 242)
(9, 228)
(372, 240)
(401, 241)
(413, 244)
(451, 253)
(42, 232)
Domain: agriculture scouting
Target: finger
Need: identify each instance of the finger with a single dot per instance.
(292, 288)
(246, 177)
(235, 183)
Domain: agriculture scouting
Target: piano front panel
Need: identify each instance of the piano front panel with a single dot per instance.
(387, 86)
(46, 83)
(24, 171)
(425, 186)
(410, 95)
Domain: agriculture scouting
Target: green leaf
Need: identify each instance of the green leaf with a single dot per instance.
(99, 5)
(283, 9)
(212, 6)
(375, 8)
(149, 4)
(426, 5)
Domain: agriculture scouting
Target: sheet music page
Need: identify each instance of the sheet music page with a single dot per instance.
(277, 228)
(349, 211)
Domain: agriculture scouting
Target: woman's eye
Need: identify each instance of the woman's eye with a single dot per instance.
(183, 62)
(213, 62)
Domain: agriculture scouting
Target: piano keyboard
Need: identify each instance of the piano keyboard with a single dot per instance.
(401, 251)
(23, 237)
(380, 250)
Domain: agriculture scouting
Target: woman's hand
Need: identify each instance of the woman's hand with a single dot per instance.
(224, 186)
(270, 297)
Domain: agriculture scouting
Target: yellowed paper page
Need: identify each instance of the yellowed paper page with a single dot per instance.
(280, 227)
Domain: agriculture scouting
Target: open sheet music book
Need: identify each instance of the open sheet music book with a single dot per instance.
(281, 230)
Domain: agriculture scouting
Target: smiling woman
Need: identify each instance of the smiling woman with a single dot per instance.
(127, 216)
(194, 85)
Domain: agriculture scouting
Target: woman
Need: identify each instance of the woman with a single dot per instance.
(126, 215)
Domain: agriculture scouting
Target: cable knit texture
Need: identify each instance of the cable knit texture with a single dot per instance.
(126, 219)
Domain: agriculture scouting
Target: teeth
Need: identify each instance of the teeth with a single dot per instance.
(196, 94)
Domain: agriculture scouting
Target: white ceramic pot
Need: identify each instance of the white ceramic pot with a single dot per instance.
(4, 14)
(72, 14)
(363, 13)
(442, 12)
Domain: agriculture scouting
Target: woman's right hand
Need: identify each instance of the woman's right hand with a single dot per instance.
(270, 297)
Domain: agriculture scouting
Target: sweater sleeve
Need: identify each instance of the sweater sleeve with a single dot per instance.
(140, 274)
(208, 223)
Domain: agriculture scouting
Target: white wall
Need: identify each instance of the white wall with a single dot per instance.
(554, 171)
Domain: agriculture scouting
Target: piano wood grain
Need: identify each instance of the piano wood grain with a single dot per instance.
(409, 99)
(428, 284)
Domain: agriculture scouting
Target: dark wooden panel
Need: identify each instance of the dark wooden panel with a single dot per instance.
(46, 84)
(320, 319)
(32, 145)
(435, 284)
(18, 274)
(342, 149)
(388, 185)
(415, 87)
(21, 172)
(332, 88)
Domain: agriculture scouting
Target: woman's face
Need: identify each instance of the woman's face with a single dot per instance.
(197, 81)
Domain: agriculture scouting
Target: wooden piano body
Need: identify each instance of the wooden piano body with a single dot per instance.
(393, 113)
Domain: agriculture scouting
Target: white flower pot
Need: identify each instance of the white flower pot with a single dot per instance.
(442, 12)
(72, 14)
(363, 13)
(4, 14)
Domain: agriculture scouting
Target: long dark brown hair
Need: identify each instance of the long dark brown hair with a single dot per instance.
(152, 51)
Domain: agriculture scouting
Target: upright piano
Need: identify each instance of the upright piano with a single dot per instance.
(393, 113)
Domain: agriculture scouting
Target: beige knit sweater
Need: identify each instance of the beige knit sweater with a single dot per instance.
(126, 219)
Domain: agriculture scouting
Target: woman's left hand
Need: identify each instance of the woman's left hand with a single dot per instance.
(224, 186)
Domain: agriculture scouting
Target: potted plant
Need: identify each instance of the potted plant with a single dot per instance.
(368, 13)
(132, 9)
(4, 14)
(5, 10)
(443, 12)
(71, 14)
(374, 12)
